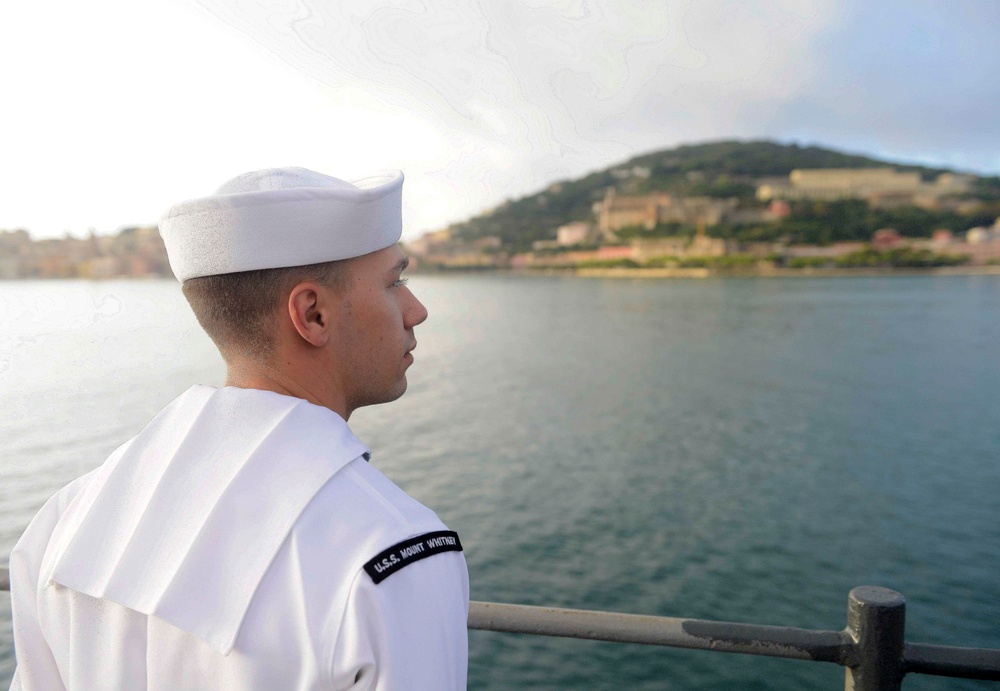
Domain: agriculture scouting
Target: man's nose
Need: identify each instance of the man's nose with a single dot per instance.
(416, 313)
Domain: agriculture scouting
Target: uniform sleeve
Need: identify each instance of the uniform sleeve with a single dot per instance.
(408, 632)
(36, 666)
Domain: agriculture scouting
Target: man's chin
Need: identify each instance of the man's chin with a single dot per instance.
(401, 389)
(386, 395)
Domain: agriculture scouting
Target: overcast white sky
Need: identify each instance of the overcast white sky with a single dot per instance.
(111, 110)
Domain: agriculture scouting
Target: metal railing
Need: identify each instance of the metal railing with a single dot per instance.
(872, 647)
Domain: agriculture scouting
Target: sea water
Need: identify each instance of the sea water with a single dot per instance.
(734, 449)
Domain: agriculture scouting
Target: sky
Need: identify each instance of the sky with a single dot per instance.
(112, 110)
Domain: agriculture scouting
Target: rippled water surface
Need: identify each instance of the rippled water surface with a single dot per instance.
(738, 449)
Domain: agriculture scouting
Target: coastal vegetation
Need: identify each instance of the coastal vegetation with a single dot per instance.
(853, 220)
(901, 257)
(824, 223)
(865, 258)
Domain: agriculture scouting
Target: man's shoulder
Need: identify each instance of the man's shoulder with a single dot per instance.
(358, 514)
(37, 536)
(360, 505)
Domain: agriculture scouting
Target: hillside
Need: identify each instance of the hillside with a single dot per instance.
(717, 169)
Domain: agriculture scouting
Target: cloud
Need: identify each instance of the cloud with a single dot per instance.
(523, 93)
(910, 80)
(124, 109)
(117, 110)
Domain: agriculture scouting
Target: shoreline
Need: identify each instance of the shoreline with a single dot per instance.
(703, 273)
(810, 272)
(695, 273)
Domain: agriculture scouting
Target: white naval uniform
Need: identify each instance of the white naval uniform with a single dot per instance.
(224, 548)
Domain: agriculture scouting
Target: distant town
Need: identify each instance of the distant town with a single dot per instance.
(657, 229)
(132, 253)
(622, 231)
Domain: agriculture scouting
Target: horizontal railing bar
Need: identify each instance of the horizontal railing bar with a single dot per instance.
(948, 661)
(749, 639)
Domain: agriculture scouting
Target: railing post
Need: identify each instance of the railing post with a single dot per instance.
(876, 620)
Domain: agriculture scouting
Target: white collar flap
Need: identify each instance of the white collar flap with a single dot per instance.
(183, 522)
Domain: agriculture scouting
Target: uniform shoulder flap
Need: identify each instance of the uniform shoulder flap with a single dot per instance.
(184, 524)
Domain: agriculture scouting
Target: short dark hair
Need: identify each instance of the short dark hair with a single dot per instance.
(237, 310)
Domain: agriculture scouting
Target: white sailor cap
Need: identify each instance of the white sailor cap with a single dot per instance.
(279, 217)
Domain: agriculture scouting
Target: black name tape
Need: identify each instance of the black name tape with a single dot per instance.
(408, 551)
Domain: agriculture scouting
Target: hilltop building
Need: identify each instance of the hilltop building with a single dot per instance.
(573, 234)
(615, 212)
(569, 235)
(881, 186)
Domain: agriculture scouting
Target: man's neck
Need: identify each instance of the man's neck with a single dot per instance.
(267, 378)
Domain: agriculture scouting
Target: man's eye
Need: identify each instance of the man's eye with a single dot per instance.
(400, 282)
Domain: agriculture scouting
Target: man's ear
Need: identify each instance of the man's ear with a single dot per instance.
(311, 310)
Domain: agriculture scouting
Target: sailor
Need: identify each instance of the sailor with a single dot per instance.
(242, 540)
